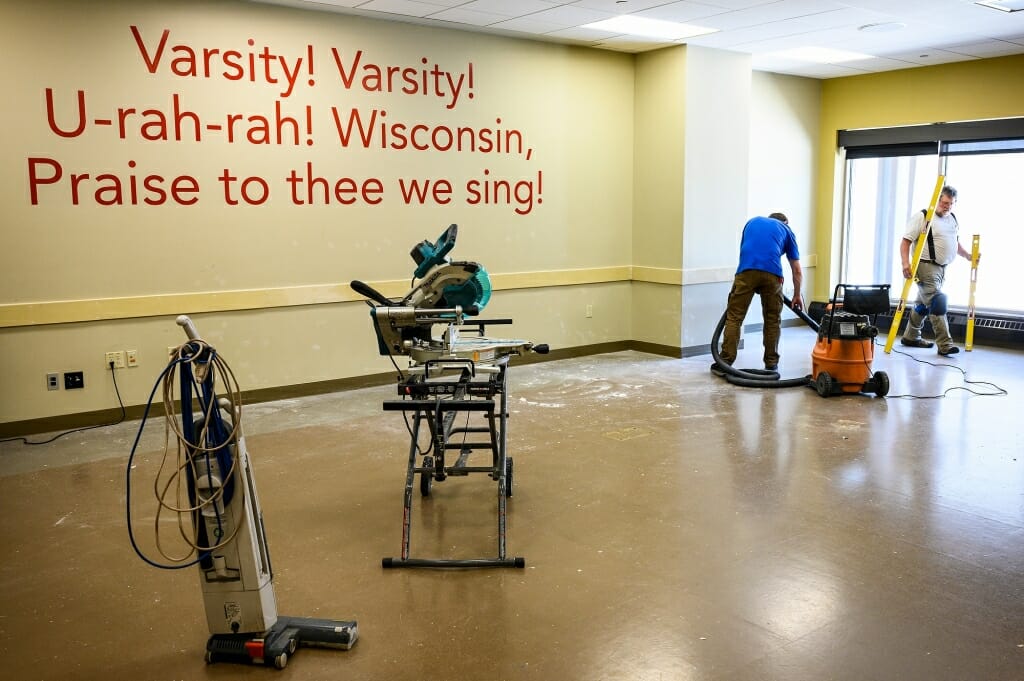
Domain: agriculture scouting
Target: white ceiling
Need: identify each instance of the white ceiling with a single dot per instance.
(935, 31)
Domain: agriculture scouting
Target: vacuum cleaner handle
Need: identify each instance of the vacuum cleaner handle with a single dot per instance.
(190, 329)
(800, 313)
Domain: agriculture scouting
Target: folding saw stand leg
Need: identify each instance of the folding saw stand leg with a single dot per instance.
(440, 411)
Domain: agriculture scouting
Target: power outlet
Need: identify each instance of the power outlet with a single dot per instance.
(116, 357)
(74, 380)
(590, 311)
(53, 381)
(131, 357)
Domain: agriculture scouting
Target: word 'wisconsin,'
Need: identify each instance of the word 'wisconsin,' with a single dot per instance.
(262, 65)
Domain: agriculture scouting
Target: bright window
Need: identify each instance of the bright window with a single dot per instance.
(883, 193)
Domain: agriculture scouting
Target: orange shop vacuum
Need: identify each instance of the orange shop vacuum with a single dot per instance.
(842, 356)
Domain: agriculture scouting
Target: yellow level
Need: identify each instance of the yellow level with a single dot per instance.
(975, 243)
(897, 316)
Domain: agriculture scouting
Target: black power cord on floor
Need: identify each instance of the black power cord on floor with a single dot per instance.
(998, 391)
(79, 430)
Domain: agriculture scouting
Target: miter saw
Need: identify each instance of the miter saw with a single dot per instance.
(446, 293)
(446, 375)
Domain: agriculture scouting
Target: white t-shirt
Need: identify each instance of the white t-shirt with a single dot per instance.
(944, 235)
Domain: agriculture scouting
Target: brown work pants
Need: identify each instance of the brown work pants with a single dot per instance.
(744, 286)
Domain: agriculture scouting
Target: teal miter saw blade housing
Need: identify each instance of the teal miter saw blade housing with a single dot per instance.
(441, 283)
(475, 292)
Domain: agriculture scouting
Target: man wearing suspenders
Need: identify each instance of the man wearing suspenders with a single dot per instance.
(941, 249)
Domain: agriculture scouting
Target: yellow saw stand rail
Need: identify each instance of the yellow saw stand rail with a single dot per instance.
(897, 316)
(975, 246)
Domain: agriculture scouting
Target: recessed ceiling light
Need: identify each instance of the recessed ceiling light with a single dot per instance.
(884, 27)
(820, 55)
(1003, 5)
(649, 28)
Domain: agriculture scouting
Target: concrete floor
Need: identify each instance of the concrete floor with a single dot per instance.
(674, 527)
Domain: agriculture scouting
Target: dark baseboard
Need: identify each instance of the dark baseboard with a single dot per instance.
(997, 333)
(786, 323)
(104, 417)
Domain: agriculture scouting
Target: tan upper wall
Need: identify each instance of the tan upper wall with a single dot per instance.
(274, 275)
(563, 201)
(658, 172)
(971, 90)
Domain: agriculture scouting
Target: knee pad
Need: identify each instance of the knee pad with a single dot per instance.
(939, 304)
(921, 309)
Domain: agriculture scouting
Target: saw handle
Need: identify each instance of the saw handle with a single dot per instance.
(368, 291)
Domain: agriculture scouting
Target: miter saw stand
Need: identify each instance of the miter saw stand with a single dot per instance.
(448, 375)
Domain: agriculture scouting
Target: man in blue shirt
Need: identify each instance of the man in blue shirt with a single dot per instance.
(764, 242)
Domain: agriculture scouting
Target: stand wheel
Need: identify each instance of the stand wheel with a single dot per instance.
(508, 477)
(426, 477)
(292, 645)
(281, 661)
(824, 384)
(209, 657)
(881, 380)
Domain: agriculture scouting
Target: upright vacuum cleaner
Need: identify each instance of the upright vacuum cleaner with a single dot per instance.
(212, 493)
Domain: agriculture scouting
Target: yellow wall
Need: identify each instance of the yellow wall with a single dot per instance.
(657, 230)
(970, 90)
(269, 282)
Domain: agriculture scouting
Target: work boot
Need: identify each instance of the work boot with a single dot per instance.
(951, 350)
(917, 343)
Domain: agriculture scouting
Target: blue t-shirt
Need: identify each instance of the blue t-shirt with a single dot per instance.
(764, 242)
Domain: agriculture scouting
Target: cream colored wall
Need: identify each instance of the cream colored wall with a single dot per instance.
(970, 90)
(784, 155)
(703, 115)
(718, 111)
(269, 282)
(658, 177)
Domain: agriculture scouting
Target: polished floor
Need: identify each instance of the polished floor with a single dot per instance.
(674, 527)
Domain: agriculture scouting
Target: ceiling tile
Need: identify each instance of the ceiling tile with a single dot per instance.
(847, 17)
(988, 48)
(617, 6)
(944, 30)
(764, 14)
(466, 16)
(579, 33)
(505, 8)
(682, 11)
(753, 34)
(568, 16)
(925, 57)
(820, 71)
(528, 24)
(631, 44)
(410, 8)
(738, 4)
